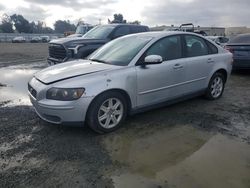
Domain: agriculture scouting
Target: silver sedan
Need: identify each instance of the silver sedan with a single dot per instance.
(129, 75)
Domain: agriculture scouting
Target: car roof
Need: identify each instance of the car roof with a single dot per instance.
(214, 37)
(124, 24)
(160, 34)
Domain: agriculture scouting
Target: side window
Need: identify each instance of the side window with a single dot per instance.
(212, 48)
(195, 46)
(138, 29)
(168, 48)
(121, 31)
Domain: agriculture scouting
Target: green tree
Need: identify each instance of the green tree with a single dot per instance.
(47, 30)
(21, 24)
(6, 26)
(62, 26)
(135, 22)
(118, 18)
(40, 27)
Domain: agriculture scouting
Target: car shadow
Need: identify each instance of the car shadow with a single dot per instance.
(245, 72)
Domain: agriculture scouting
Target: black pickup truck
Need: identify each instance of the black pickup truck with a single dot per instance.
(66, 49)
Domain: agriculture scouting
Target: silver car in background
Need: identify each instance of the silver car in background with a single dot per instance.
(19, 39)
(129, 75)
(220, 40)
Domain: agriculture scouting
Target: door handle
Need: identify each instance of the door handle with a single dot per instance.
(210, 60)
(178, 66)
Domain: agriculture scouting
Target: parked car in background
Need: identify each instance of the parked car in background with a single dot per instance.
(188, 27)
(19, 39)
(128, 75)
(239, 46)
(45, 38)
(66, 49)
(53, 38)
(36, 39)
(81, 30)
(219, 40)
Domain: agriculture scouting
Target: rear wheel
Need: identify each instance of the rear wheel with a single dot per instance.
(216, 86)
(107, 112)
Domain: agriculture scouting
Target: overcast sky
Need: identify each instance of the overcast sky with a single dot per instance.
(150, 12)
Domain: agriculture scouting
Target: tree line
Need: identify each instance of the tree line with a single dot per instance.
(16, 23)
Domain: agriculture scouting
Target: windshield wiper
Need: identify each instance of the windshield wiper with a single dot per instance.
(99, 61)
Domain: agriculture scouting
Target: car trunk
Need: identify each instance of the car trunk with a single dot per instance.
(241, 55)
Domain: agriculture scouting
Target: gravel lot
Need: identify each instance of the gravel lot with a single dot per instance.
(196, 143)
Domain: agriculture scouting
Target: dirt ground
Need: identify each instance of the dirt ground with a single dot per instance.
(196, 143)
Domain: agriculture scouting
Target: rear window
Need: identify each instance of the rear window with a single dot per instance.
(240, 39)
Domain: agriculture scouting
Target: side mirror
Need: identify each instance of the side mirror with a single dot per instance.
(153, 59)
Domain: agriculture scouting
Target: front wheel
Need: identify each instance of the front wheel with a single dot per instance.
(216, 86)
(107, 112)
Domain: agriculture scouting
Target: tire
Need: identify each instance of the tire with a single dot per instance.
(216, 86)
(107, 112)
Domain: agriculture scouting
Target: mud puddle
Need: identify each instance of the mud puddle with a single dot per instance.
(13, 83)
(181, 156)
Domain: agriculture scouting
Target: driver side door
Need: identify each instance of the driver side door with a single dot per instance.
(160, 82)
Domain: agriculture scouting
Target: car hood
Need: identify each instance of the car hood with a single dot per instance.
(71, 69)
(78, 40)
(74, 35)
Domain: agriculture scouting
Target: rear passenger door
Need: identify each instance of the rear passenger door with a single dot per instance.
(199, 62)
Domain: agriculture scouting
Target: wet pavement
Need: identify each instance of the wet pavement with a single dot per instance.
(196, 143)
(181, 156)
(14, 81)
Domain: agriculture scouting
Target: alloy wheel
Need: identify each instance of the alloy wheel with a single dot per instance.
(110, 113)
(216, 87)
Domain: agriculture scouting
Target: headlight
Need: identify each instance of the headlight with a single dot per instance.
(64, 94)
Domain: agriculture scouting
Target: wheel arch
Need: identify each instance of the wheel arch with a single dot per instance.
(121, 91)
(224, 72)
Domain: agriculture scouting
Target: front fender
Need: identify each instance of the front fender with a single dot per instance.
(113, 80)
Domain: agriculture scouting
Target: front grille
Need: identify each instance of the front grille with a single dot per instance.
(57, 51)
(32, 91)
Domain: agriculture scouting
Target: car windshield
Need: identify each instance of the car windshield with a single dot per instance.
(81, 29)
(99, 32)
(240, 39)
(120, 51)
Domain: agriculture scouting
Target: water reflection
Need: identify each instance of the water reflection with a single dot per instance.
(15, 79)
(178, 157)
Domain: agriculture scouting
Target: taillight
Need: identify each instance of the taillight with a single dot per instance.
(229, 49)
